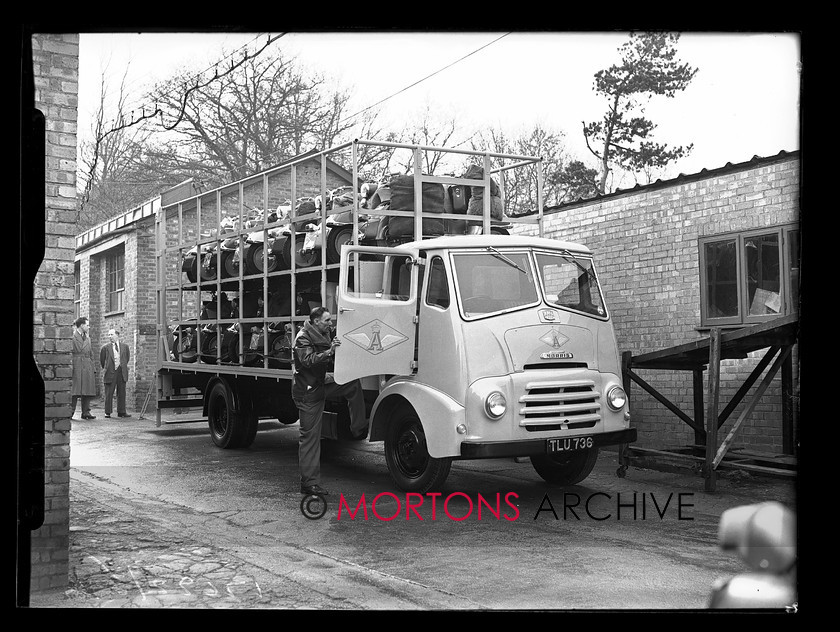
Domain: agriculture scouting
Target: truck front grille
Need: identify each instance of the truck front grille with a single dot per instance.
(557, 404)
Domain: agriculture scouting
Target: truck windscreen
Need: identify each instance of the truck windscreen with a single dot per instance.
(495, 281)
(569, 282)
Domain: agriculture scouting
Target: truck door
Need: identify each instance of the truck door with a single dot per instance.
(377, 304)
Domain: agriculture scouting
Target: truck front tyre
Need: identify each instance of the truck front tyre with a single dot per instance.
(565, 469)
(230, 429)
(407, 455)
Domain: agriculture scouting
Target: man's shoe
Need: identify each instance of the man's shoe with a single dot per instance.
(314, 490)
(88, 416)
(107, 415)
(124, 415)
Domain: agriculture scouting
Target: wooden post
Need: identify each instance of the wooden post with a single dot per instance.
(699, 437)
(724, 446)
(712, 411)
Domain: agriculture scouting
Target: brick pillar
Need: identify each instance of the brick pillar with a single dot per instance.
(56, 74)
(145, 358)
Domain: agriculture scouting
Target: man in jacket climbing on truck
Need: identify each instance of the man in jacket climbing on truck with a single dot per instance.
(314, 350)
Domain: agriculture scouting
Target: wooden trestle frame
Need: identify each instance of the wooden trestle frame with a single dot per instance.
(777, 336)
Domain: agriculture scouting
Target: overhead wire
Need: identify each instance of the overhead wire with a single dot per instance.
(141, 102)
(427, 77)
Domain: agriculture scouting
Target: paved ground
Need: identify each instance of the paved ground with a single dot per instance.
(133, 550)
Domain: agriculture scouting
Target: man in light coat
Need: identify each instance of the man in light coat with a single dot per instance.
(113, 357)
(83, 384)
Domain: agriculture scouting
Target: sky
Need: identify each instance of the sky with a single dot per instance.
(744, 100)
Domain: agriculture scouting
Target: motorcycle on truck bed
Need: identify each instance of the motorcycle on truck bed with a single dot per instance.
(473, 335)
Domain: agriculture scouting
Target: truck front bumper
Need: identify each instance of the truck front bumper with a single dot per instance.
(500, 449)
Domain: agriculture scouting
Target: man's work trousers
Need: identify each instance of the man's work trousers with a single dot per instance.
(118, 385)
(311, 415)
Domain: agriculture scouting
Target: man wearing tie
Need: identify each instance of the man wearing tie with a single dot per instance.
(114, 359)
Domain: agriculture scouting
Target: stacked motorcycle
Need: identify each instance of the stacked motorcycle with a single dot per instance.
(220, 343)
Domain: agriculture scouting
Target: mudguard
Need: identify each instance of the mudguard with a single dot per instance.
(438, 412)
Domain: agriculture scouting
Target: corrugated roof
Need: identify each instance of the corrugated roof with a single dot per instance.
(729, 167)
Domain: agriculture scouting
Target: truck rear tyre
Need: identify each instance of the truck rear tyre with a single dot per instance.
(407, 455)
(565, 469)
(230, 429)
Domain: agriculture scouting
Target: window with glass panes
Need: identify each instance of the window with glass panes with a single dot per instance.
(750, 276)
(115, 280)
(77, 289)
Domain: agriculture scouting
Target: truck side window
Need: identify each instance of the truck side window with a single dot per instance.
(400, 279)
(438, 290)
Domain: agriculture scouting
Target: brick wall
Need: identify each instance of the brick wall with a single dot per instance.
(647, 256)
(55, 66)
(145, 321)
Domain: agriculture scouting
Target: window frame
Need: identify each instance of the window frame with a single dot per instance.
(431, 266)
(77, 289)
(114, 272)
(743, 317)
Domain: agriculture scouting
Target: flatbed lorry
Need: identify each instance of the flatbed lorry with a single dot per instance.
(469, 341)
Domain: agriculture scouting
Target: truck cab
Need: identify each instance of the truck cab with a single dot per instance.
(482, 346)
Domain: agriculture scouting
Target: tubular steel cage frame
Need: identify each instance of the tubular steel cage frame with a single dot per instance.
(214, 197)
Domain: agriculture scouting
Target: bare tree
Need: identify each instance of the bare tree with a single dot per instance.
(433, 129)
(263, 113)
(107, 163)
(563, 179)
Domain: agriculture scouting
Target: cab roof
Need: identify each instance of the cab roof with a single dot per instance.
(452, 242)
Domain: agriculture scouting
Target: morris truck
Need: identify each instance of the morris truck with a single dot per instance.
(471, 341)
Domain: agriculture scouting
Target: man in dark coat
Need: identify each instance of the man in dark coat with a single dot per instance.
(314, 349)
(84, 379)
(113, 357)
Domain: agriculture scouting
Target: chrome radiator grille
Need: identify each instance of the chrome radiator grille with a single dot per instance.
(560, 404)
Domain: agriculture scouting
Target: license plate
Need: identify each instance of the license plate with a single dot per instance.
(570, 444)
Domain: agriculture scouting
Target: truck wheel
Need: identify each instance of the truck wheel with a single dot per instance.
(336, 238)
(250, 423)
(567, 469)
(407, 455)
(229, 429)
